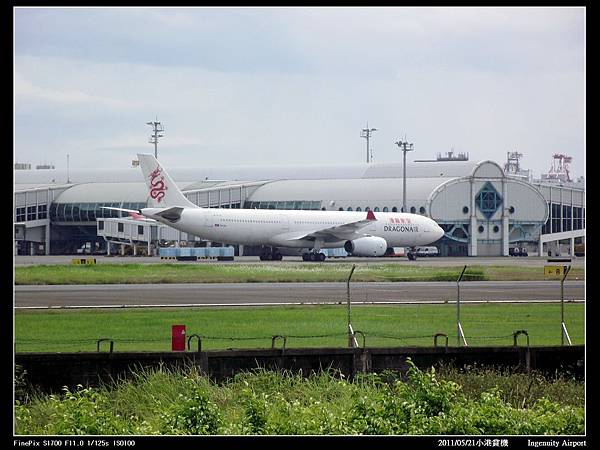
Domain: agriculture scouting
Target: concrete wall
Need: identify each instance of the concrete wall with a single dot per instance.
(51, 371)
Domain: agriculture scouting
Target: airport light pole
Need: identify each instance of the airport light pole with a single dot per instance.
(366, 133)
(404, 147)
(157, 128)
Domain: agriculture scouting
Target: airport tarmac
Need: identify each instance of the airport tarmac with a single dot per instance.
(261, 294)
(533, 261)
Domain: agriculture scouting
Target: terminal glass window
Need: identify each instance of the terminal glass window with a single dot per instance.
(120, 227)
(53, 208)
(87, 212)
(21, 214)
(60, 212)
(75, 213)
(555, 213)
(566, 218)
(68, 215)
(140, 229)
(546, 227)
(488, 200)
(113, 212)
(577, 219)
(42, 211)
(31, 213)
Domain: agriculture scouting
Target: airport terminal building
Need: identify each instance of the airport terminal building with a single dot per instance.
(483, 210)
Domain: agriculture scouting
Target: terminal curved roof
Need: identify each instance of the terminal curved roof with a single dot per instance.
(253, 173)
(434, 169)
(418, 189)
(104, 193)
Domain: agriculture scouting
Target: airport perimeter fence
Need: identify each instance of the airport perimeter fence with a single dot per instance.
(199, 342)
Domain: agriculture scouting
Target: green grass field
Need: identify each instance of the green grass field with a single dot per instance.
(222, 273)
(304, 326)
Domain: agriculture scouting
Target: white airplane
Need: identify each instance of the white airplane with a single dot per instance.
(357, 233)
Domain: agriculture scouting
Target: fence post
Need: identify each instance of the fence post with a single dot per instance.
(103, 340)
(563, 328)
(435, 339)
(351, 339)
(516, 335)
(460, 333)
(278, 336)
(199, 341)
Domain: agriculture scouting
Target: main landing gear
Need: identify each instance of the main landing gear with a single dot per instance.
(312, 256)
(412, 254)
(270, 254)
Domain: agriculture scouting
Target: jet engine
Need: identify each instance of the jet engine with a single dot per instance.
(366, 246)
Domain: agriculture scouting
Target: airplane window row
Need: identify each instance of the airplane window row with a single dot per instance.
(251, 221)
(295, 204)
(308, 222)
(413, 210)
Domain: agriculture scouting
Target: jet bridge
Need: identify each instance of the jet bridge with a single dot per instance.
(143, 235)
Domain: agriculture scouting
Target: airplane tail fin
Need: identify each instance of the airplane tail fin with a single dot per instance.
(162, 190)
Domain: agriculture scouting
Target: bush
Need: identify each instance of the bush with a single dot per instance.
(193, 413)
(270, 403)
(85, 411)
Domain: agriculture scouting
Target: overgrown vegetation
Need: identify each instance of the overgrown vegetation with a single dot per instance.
(262, 402)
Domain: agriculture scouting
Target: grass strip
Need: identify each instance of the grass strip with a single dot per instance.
(223, 273)
(304, 326)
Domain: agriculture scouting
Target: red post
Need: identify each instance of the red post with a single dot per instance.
(178, 338)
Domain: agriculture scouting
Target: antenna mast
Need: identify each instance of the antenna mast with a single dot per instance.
(366, 133)
(157, 128)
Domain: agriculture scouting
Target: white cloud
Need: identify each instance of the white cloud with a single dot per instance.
(25, 89)
(485, 81)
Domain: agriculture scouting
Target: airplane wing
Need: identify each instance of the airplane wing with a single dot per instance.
(337, 233)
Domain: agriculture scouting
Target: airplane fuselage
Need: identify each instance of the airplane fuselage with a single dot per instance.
(280, 227)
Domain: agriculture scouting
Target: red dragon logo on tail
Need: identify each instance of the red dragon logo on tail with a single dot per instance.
(157, 192)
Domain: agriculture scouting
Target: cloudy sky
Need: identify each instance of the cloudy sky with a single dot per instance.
(297, 85)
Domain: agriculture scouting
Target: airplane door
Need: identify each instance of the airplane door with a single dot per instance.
(208, 219)
(285, 223)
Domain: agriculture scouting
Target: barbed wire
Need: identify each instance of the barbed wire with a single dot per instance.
(476, 338)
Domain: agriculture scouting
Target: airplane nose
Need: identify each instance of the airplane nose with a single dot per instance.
(439, 232)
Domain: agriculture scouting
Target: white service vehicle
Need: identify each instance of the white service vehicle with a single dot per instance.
(427, 251)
